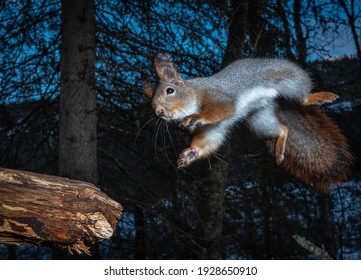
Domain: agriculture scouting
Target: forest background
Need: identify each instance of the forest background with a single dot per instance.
(70, 83)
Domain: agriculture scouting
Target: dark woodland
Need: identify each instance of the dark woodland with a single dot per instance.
(71, 104)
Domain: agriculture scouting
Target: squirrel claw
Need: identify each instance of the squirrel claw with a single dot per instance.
(182, 126)
(192, 120)
(280, 158)
(186, 157)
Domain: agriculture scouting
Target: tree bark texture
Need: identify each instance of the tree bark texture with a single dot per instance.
(77, 131)
(49, 210)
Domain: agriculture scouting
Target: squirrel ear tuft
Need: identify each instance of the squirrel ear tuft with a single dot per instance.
(147, 87)
(165, 69)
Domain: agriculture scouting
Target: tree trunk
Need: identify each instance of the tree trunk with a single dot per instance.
(301, 40)
(286, 30)
(212, 204)
(41, 209)
(140, 234)
(237, 31)
(266, 223)
(326, 233)
(77, 131)
(209, 235)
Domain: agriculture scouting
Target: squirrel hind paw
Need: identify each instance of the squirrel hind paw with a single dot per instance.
(280, 146)
(280, 158)
(319, 98)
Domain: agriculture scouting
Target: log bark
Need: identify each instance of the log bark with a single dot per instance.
(312, 248)
(48, 210)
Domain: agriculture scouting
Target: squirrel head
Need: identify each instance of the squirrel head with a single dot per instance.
(173, 99)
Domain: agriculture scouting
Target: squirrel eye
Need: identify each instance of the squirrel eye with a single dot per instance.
(169, 90)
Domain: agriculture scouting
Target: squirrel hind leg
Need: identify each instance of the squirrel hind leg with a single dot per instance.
(280, 146)
(264, 123)
(319, 98)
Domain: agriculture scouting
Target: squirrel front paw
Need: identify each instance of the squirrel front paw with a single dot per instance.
(186, 157)
(192, 121)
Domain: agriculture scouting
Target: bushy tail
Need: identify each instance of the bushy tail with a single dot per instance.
(317, 153)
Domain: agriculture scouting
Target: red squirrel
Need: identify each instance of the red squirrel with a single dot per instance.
(273, 97)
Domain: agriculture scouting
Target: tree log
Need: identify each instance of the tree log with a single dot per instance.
(48, 210)
(312, 248)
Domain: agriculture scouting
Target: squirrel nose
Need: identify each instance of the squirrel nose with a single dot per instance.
(159, 112)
